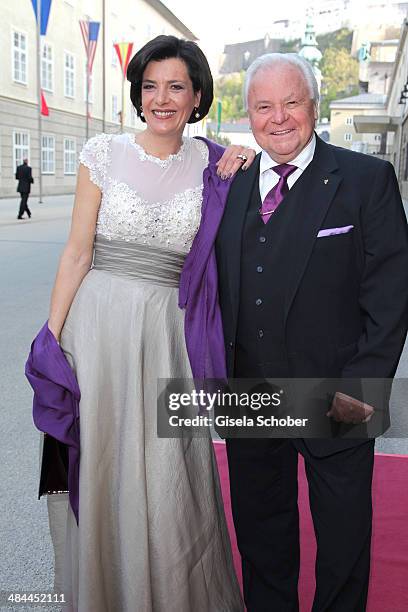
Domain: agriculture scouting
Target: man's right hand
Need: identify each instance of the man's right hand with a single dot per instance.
(347, 409)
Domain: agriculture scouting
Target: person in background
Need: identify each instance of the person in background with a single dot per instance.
(25, 180)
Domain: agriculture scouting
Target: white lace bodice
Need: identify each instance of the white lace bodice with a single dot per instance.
(146, 199)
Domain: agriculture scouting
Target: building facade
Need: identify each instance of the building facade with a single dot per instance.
(343, 132)
(391, 120)
(376, 61)
(63, 81)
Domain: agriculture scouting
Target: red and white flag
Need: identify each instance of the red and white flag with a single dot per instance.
(44, 108)
(90, 31)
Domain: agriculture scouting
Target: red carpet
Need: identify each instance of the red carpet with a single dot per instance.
(389, 567)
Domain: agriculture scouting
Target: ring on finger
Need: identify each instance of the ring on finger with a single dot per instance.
(242, 157)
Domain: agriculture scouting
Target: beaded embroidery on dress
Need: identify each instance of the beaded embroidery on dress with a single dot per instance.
(152, 534)
(146, 199)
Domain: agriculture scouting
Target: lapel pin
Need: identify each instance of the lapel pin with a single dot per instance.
(325, 181)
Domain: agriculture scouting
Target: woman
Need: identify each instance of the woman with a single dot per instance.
(151, 534)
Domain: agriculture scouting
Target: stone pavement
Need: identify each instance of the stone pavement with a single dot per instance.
(52, 207)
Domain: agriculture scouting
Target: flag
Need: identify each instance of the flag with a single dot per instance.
(124, 51)
(44, 108)
(90, 31)
(45, 6)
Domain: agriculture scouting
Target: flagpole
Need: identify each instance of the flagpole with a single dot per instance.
(38, 18)
(87, 88)
(103, 66)
(89, 31)
(122, 114)
(219, 115)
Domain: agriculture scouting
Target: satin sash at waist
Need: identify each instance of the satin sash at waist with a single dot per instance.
(138, 261)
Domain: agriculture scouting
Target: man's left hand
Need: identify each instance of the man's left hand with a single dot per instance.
(347, 409)
(234, 158)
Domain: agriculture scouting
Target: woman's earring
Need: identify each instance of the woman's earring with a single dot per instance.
(196, 114)
(141, 111)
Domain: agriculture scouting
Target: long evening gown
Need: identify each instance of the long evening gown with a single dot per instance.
(152, 534)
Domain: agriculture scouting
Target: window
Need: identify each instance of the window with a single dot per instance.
(349, 120)
(69, 75)
(21, 147)
(115, 111)
(69, 156)
(348, 137)
(377, 137)
(91, 98)
(47, 154)
(46, 68)
(20, 58)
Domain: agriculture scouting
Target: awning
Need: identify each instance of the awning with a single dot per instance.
(375, 124)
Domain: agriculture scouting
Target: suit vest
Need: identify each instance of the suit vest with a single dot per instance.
(260, 341)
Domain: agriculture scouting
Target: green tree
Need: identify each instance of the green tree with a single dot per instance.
(290, 46)
(340, 39)
(339, 77)
(228, 89)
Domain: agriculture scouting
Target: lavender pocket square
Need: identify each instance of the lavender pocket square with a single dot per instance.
(334, 231)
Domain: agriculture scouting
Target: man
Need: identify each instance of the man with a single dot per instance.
(312, 257)
(25, 179)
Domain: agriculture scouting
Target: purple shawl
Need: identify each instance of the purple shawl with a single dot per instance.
(198, 292)
(56, 401)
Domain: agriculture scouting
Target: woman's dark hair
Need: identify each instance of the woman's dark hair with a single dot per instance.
(165, 47)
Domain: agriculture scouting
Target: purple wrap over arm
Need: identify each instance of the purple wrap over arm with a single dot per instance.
(56, 401)
(198, 292)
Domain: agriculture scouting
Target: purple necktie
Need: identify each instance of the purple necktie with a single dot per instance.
(277, 193)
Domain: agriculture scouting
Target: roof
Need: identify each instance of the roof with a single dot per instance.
(386, 43)
(171, 18)
(363, 98)
(239, 56)
(375, 124)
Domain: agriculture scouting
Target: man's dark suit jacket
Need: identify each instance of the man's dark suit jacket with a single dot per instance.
(346, 302)
(24, 177)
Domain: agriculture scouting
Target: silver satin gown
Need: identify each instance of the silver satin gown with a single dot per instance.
(152, 534)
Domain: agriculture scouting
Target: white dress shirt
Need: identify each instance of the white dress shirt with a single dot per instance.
(268, 178)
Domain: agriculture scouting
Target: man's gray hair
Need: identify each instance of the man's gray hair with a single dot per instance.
(272, 59)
